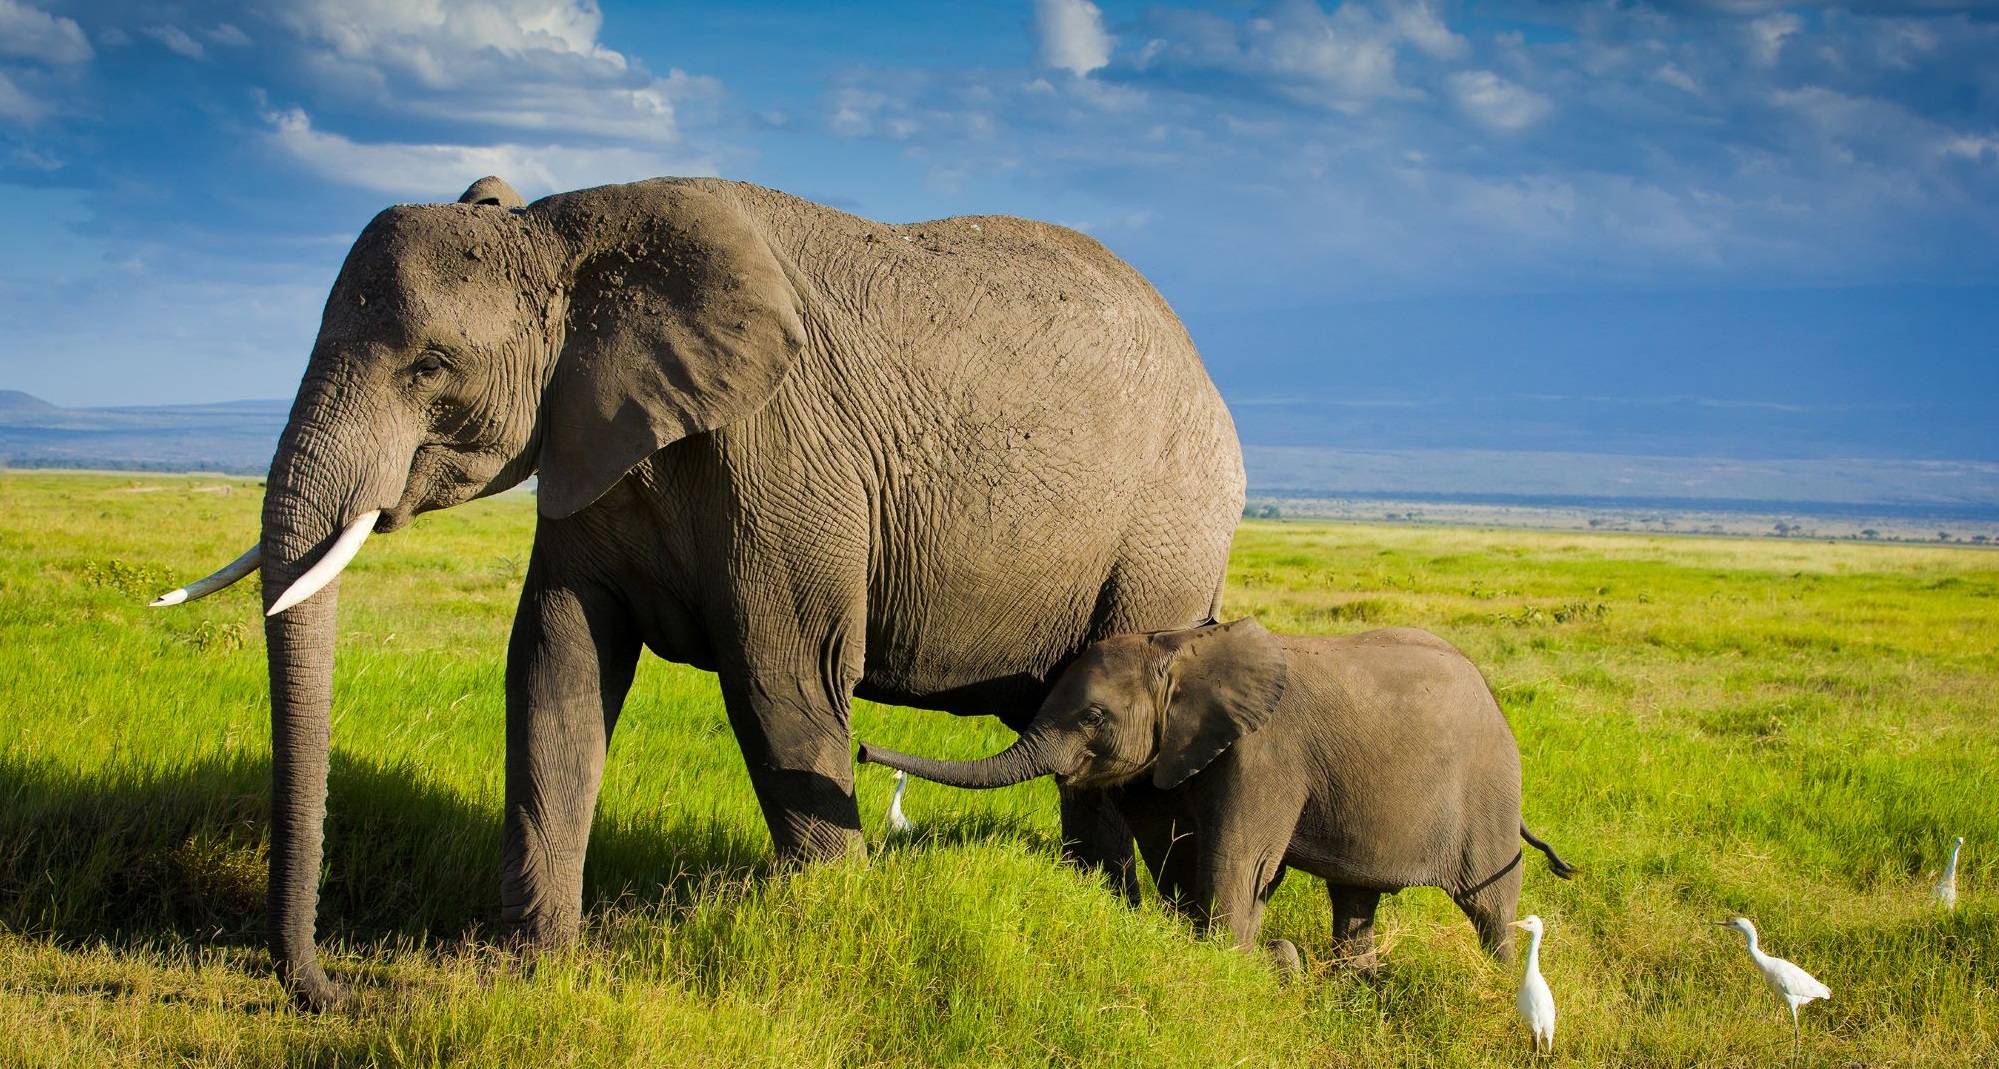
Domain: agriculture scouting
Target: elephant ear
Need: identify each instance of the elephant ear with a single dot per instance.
(1221, 682)
(680, 321)
(494, 191)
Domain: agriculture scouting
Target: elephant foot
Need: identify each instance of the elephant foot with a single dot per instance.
(1285, 958)
(527, 943)
(813, 842)
(1120, 876)
(529, 928)
(1359, 955)
(315, 993)
(1362, 960)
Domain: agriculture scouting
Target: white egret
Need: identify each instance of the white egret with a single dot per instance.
(897, 823)
(1793, 986)
(1945, 892)
(1536, 1002)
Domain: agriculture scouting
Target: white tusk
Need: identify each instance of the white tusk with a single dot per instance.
(201, 588)
(343, 550)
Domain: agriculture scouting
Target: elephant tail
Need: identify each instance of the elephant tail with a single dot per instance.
(1555, 863)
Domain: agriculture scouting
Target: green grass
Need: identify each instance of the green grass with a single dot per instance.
(1783, 730)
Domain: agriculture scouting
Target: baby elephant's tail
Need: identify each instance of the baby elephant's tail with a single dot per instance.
(1555, 863)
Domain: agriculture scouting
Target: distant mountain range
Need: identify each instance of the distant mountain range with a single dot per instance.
(1943, 489)
(238, 437)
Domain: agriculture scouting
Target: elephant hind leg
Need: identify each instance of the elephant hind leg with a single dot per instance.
(1493, 934)
(1491, 905)
(1353, 925)
(800, 759)
(799, 753)
(812, 816)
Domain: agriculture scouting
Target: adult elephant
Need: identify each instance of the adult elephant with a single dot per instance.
(817, 455)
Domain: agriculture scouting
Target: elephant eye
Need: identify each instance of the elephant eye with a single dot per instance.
(1093, 716)
(426, 367)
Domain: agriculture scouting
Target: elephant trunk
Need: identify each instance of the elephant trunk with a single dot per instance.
(320, 481)
(1031, 756)
(300, 645)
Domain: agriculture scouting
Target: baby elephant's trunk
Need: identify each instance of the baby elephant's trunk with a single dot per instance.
(1555, 863)
(1026, 759)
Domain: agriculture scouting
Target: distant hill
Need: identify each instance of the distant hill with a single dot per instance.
(236, 437)
(1967, 489)
(25, 409)
(239, 437)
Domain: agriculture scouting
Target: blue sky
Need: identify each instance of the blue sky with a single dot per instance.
(1600, 213)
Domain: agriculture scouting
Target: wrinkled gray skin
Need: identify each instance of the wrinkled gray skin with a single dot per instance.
(1375, 761)
(818, 455)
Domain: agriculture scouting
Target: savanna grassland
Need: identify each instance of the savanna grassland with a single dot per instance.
(1783, 730)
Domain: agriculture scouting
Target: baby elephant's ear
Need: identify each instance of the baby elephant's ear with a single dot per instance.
(1223, 681)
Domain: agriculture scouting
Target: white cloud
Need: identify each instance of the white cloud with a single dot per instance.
(531, 66)
(440, 172)
(643, 113)
(1496, 102)
(22, 156)
(1342, 60)
(1972, 147)
(1672, 75)
(1841, 131)
(1109, 97)
(228, 36)
(1345, 53)
(1368, 146)
(1768, 34)
(437, 41)
(15, 104)
(1530, 206)
(36, 34)
(177, 41)
(1419, 24)
(1662, 149)
(1072, 35)
(859, 112)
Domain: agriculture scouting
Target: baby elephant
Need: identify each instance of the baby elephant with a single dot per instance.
(1375, 761)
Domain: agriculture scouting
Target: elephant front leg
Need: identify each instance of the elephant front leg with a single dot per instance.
(569, 667)
(1168, 843)
(1242, 849)
(1237, 883)
(1095, 836)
